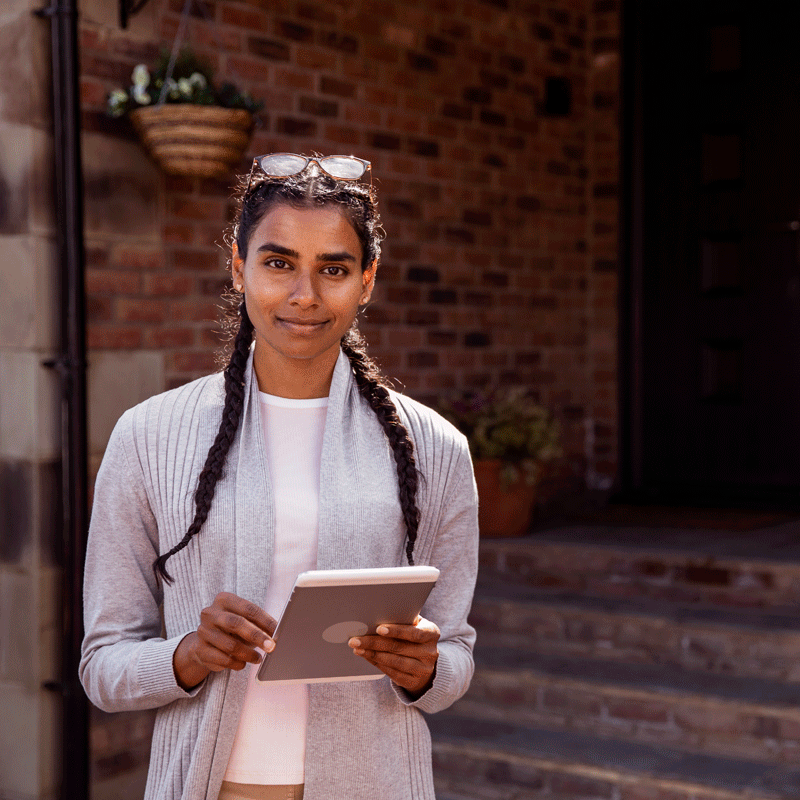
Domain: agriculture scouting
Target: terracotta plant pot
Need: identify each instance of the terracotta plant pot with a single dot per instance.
(196, 141)
(502, 512)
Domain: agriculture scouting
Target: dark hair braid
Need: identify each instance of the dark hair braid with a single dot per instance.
(373, 388)
(215, 460)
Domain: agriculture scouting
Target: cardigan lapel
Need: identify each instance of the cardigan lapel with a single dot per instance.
(343, 404)
(255, 508)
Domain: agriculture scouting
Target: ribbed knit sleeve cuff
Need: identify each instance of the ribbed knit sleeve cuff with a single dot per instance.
(440, 695)
(156, 674)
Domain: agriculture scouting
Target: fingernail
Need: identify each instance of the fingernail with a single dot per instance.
(359, 652)
(383, 630)
(355, 643)
(269, 645)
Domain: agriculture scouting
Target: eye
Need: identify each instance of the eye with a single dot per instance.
(276, 263)
(335, 270)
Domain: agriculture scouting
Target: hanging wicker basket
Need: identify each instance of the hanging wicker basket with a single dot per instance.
(191, 140)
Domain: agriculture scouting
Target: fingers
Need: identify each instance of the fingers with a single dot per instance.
(230, 630)
(406, 653)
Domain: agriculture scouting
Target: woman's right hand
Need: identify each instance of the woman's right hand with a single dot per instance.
(230, 630)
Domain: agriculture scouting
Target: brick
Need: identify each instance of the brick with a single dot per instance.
(194, 259)
(477, 94)
(102, 281)
(422, 62)
(422, 359)
(197, 362)
(166, 338)
(113, 337)
(336, 87)
(246, 18)
(315, 58)
(167, 285)
(288, 29)
(296, 127)
(337, 40)
(140, 310)
(268, 48)
(477, 339)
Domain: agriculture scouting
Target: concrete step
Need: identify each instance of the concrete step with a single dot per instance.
(729, 715)
(724, 641)
(757, 569)
(492, 760)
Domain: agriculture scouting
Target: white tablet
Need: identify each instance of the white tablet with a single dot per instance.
(327, 607)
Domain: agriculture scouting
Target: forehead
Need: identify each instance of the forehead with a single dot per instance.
(309, 231)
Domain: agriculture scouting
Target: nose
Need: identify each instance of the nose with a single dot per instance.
(304, 292)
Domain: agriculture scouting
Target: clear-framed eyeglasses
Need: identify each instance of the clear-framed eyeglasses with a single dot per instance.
(284, 165)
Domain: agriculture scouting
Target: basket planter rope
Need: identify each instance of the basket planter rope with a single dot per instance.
(193, 140)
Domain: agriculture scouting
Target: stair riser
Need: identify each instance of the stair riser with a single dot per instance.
(641, 640)
(711, 727)
(658, 575)
(466, 775)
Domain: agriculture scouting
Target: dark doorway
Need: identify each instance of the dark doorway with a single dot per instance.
(711, 318)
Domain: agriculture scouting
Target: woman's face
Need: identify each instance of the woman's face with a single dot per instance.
(303, 284)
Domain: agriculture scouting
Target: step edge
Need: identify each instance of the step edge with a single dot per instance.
(602, 773)
(659, 615)
(619, 689)
(506, 545)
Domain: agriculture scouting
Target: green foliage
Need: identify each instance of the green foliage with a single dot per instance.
(507, 425)
(191, 82)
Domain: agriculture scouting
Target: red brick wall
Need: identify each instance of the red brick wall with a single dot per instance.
(500, 260)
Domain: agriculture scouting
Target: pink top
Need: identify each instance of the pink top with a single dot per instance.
(270, 743)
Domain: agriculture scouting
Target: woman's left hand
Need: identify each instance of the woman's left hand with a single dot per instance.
(406, 653)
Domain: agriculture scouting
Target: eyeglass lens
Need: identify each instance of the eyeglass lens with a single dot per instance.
(282, 165)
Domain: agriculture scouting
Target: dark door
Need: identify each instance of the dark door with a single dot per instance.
(716, 350)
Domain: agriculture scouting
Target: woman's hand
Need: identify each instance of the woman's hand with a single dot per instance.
(406, 653)
(230, 630)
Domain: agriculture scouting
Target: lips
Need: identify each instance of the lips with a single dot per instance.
(302, 327)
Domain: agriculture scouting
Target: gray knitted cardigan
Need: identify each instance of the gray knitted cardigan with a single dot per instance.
(364, 739)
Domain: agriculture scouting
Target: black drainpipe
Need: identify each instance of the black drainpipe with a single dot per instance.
(71, 367)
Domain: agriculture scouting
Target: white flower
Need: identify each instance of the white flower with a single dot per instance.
(117, 101)
(140, 95)
(198, 80)
(185, 87)
(141, 77)
(173, 90)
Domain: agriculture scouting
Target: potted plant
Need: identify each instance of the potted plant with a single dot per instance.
(188, 124)
(511, 437)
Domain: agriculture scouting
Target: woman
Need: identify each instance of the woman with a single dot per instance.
(212, 497)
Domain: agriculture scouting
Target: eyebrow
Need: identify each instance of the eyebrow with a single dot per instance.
(272, 247)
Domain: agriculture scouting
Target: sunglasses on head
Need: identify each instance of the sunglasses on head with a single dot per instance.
(284, 165)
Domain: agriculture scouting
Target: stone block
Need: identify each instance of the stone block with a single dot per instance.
(15, 164)
(25, 78)
(17, 627)
(29, 294)
(121, 185)
(29, 407)
(49, 624)
(41, 183)
(119, 380)
(19, 748)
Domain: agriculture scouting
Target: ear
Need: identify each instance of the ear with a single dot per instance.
(237, 265)
(369, 283)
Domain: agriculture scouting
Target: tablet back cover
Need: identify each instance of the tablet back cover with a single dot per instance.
(311, 639)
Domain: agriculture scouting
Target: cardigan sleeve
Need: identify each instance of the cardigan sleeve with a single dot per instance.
(455, 553)
(126, 664)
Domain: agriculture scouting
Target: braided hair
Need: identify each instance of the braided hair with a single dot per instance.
(359, 205)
